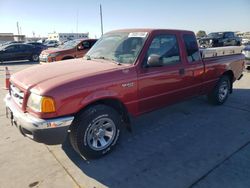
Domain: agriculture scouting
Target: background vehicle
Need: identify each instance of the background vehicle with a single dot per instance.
(69, 50)
(245, 41)
(218, 39)
(246, 52)
(14, 52)
(11, 42)
(51, 43)
(127, 72)
(38, 45)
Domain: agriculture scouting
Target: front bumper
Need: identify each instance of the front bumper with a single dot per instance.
(47, 131)
(247, 62)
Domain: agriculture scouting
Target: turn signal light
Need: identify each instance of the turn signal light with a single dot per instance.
(48, 105)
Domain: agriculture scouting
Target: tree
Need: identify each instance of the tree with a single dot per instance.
(201, 34)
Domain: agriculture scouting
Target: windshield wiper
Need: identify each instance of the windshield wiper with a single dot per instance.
(112, 60)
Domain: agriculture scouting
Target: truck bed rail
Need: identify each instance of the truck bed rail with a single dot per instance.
(220, 51)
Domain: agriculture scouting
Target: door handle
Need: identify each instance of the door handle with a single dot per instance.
(181, 71)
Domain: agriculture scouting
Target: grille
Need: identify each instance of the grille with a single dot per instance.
(16, 94)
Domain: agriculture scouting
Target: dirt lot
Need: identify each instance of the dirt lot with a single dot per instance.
(190, 144)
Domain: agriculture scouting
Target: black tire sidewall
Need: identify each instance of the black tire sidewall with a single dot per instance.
(85, 122)
(221, 81)
(32, 57)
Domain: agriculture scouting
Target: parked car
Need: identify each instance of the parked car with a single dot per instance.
(245, 41)
(246, 52)
(218, 39)
(14, 52)
(51, 43)
(126, 73)
(11, 42)
(38, 45)
(71, 49)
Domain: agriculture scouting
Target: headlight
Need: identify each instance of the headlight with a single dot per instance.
(53, 55)
(41, 104)
(210, 41)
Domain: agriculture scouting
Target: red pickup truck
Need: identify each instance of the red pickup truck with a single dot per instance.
(126, 73)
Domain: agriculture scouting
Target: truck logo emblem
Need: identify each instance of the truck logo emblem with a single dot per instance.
(130, 84)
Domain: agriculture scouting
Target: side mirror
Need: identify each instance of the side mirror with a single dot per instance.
(80, 47)
(154, 61)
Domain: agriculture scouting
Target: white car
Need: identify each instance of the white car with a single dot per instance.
(51, 43)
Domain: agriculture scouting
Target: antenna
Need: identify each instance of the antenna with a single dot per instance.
(101, 19)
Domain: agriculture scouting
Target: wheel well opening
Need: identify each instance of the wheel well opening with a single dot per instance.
(230, 74)
(119, 107)
(67, 57)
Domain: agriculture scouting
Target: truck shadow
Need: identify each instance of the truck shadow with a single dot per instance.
(172, 146)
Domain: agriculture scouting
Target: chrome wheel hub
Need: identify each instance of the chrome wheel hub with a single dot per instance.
(101, 134)
(223, 91)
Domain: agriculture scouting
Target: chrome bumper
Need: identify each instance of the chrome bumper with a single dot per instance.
(48, 131)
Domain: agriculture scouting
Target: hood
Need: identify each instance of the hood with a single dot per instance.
(58, 73)
(54, 50)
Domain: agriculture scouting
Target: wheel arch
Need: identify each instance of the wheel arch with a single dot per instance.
(230, 74)
(67, 57)
(115, 104)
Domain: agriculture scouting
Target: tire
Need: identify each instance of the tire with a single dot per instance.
(34, 57)
(95, 131)
(221, 91)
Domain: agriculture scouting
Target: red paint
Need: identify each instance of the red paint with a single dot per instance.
(75, 84)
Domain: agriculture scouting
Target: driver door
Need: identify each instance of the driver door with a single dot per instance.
(165, 84)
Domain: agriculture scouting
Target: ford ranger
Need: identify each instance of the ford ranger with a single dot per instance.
(125, 74)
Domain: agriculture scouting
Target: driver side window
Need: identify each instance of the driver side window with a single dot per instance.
(86, 45)
(166, 47)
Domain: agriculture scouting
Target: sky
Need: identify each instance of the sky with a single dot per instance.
(47, 16)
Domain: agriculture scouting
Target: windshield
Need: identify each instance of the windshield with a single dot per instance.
(122, 47)
(215, 35)
(70, 44)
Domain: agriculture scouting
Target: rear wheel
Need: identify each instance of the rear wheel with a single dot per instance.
(95, 131)
(221, 91)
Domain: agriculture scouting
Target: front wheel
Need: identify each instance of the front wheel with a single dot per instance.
(34, 58)
(95, 131)
(221, 91)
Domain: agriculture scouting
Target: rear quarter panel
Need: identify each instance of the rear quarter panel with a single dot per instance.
(215, 67)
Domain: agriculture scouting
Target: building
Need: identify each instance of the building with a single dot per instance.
(67, 36)
(5, 37)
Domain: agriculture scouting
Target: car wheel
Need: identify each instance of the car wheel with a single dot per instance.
(95, 131)
(35, 58)
(221, 91)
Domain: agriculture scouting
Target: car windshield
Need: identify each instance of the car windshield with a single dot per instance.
(69, 44)
(215, 35)
(122, 47)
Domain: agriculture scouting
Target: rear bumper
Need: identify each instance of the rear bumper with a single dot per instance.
(39, 130)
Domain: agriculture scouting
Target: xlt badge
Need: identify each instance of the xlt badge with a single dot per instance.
(129, 84)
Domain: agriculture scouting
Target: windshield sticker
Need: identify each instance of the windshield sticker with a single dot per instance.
(138, 34)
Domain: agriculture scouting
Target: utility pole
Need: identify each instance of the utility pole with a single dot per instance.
(77, 24)
(101, 19)
(18, 32)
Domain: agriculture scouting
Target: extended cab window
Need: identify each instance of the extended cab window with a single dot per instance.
(166, 47)
(192, 50)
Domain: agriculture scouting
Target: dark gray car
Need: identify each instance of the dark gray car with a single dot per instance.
(14, 52)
